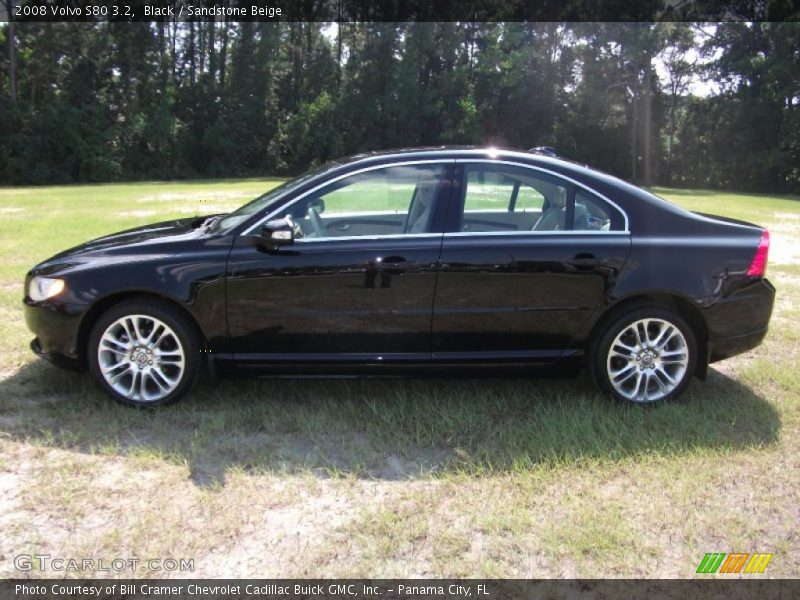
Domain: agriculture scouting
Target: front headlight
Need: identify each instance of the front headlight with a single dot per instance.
(42, 288)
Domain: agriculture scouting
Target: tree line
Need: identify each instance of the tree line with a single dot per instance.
(94, 102)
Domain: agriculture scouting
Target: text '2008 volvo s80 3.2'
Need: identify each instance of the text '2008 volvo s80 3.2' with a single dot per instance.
(428, 261)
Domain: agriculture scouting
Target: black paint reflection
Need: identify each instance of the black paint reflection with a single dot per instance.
(364, 296)
(520, 294)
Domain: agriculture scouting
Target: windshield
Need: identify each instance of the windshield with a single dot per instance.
(240, 215)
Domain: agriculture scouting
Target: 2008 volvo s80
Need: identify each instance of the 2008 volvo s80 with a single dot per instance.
(417, 261)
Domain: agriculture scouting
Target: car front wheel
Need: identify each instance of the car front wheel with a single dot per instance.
(144, 353)
(644, 356)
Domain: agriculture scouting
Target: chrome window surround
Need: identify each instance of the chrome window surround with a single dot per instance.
(388, 236)
(571, 232)
(485, 158)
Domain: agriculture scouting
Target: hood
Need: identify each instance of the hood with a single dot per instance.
(146, 240)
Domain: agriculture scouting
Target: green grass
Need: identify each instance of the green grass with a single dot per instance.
(495, 477)
(58, 217)
(760, 209)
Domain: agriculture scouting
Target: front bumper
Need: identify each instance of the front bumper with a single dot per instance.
(59, 360)
(56, 327)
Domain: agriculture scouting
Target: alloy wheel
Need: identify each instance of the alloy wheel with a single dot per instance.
(647, 360)
(141, 358)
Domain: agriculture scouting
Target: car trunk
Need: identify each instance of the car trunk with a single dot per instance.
(727, 220)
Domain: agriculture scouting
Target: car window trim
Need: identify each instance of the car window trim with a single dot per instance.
(512, 203)
(386, 236)
(573, 232)
(557, 176)
(448, 161)
(569, 215)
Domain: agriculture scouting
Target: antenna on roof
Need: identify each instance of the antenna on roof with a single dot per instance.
(543, 150)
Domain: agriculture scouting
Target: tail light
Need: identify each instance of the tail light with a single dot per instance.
(758, 267)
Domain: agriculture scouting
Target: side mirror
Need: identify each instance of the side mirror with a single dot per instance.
(280, 232)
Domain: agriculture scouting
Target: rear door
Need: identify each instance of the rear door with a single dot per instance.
(526, 257)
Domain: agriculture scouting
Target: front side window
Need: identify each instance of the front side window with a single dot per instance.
(241, 214)
(386, 201)
(500, 198)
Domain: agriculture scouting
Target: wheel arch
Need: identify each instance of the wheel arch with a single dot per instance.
(107, 302)
(683, 306)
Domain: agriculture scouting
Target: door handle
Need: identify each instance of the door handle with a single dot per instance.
(584, 261)
(395, 262)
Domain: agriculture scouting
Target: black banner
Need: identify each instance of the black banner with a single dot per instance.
(398, 10)
(733, 588)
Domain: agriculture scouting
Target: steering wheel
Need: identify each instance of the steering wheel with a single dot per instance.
(316, 222)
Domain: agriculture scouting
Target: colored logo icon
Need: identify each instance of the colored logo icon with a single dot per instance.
(737, 562)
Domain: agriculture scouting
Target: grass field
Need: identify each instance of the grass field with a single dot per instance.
(490, 478)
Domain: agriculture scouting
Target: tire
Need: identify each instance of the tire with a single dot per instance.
(656, 370)
(145, 353)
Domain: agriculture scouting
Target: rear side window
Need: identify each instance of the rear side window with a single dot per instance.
(595, 214)
(508, 198)
(495, 191)
(500, 197)
(529, 199)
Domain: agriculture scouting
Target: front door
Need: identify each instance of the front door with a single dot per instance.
(527, 259)
(358, 284)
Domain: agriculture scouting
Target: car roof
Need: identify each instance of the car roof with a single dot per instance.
(556, 164)
(608, 186)
(635, 203)
(457, 152)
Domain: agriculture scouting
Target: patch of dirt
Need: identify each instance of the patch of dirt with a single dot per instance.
(276, 540)
(137, 213)
(784, 249)
(194, 196)
(10, 484)
(784, 280)
(783, 215)
(206, 208)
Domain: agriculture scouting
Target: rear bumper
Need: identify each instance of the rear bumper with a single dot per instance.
(740, 322)
(731, 346)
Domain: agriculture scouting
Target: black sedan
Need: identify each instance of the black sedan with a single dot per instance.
(432, 261)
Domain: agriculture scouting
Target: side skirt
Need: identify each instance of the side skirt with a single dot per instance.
(563, 367)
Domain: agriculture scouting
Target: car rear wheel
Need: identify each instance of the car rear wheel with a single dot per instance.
(144, 353)
(645, 356)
